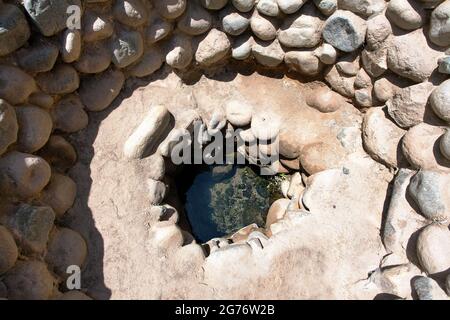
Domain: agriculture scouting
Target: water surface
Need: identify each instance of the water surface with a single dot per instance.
(220, 200)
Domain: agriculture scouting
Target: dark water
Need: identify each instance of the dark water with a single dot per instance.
(219, 200)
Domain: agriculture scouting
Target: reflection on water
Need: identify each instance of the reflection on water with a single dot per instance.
(223, 199)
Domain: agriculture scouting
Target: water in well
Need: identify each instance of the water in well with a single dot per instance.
(221, 199)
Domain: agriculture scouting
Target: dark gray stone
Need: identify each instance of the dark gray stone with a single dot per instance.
(14, 29)
(50, 16)
(426, 190)
(31, 226)
(127, 48)
(345, 31)
(41, 57)
(427, 289)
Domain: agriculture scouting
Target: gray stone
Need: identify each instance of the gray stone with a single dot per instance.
(127, 48)
(50, 16)
(8, 126)
(326, 7)
(444, 65)
(345, 31)
(363, 97)
(430, 191)
(31, 226)
(447, 284)
(290, 6)
(440, 25)
(235, 23)
(402, 221)
(242, 47)
(440, 100)
(427, 289)
(14, 29)
(40, 57)
(243, 5)
(445, 144)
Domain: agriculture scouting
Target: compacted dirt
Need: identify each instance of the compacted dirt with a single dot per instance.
(323, 255)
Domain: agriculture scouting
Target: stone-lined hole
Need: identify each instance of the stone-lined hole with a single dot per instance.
(222, 199)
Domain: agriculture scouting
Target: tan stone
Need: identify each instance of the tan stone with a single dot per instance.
(421, 149)
(324, 100)
(382, 138)
(433, 246)
(320, 156)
